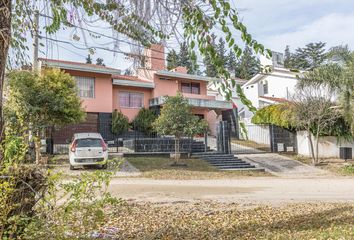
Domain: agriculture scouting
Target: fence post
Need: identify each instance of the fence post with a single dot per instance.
(205, 141)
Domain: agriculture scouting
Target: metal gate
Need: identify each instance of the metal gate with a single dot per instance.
(255, 139)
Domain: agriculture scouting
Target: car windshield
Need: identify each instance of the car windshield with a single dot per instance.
(88, 142)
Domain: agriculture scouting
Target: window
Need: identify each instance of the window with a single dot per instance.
(86, 87)
(193, 88)
(131, 99)
(265, 87)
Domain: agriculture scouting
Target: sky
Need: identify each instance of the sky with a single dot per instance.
(274, 23)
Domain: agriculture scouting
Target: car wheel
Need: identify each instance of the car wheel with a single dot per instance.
(72, 167)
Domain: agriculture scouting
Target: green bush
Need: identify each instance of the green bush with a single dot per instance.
(120, 123)
(143, 121)
(349, 169)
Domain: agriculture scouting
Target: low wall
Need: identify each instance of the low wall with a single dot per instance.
(328, 146)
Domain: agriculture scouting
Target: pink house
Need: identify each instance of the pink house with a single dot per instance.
(104, 89)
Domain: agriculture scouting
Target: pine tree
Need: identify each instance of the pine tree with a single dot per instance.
(89, 59)
(99, 61)
(184, 59)
(287, 58)
(231, 63)
(309, 57)
(222, 51)
(249, 65)
(172, 59)
(210, 69)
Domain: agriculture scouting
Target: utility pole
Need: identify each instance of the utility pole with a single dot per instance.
(35, 42)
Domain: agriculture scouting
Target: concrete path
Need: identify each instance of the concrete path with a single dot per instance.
(283, 166)
(273, 191)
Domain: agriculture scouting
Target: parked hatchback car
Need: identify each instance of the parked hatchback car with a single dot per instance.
(88, 149)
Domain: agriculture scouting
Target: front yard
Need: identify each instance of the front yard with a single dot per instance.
(161, 168)
(231, 221)
(338, 167)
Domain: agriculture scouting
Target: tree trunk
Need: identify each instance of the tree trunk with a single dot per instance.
(177, 155)
(311, 146)
(5, 37)
(37, 148)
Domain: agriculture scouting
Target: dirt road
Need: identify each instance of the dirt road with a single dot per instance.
(272, 191)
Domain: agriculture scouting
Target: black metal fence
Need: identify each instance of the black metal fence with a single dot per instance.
(136, 138)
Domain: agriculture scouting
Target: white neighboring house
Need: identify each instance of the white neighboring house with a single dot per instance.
(264, 88)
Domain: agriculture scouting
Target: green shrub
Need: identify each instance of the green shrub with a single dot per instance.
(349, 169)
(120, 123)
(143, 121)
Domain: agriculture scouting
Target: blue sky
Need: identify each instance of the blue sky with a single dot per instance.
(275, 23)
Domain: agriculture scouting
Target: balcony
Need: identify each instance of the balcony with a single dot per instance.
(195, 102)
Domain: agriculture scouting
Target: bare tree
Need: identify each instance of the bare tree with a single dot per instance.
(315, 113)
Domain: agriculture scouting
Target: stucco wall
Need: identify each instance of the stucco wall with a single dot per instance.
(102, 101)
(129, 112)
(213, 119)
(328, 147)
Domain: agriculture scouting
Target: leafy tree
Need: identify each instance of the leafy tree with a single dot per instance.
(249, 64)
(89, 59)
(120, 123)
(43, 101)
(176, 119)
(144, 120)
(309, 57)
(339, 54)
(172, 59)
(314, 113)
(99, 61)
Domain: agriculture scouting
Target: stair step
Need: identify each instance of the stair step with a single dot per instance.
(226, 161)
(231, 165)
(236, 167)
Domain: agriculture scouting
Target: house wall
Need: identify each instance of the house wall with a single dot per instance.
(328, 146)
(130, 112)
(102, 101)
(213, 119)
(279, 87)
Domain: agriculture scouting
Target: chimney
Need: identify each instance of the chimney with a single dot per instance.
(155, 57)
(180, 69)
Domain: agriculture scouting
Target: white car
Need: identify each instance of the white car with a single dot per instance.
(88, 149)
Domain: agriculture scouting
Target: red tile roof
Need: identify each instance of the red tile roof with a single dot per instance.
(275, 99)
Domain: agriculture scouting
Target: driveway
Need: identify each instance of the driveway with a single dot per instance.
(283, 166)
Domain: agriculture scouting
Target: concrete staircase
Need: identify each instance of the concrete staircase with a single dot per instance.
(226, 161)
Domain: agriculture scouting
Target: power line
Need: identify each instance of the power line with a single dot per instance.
(104, 35)
(106, 49)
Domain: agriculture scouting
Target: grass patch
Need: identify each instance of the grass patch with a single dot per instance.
(251, 144)
(336, 166)
(161, 168)
(230, 221)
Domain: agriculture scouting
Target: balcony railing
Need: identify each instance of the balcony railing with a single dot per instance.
(204, 103)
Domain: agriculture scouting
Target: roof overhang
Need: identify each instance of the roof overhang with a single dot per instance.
(82, 68)
(186, 76)
(130, 83)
